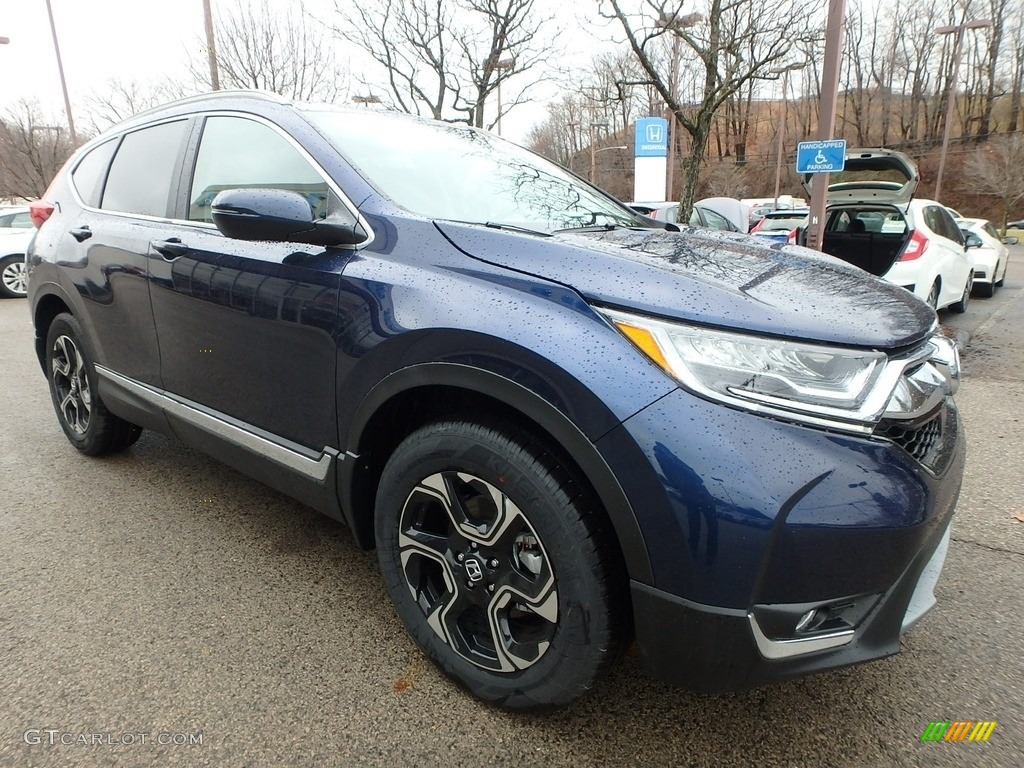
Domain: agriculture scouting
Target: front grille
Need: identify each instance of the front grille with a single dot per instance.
(917, 441)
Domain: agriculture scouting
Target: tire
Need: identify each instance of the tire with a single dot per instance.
(526, 608)
(13, 277)
(933, 296)
(985, 290)
(88, 424)
(961, 306)
(1001, 280)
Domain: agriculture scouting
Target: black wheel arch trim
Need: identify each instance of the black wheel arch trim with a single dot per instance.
(525, 401)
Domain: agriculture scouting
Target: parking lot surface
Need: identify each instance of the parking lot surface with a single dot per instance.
(160, 609)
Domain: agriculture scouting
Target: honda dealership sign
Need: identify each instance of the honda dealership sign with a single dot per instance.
(650, 164)
(651, 137)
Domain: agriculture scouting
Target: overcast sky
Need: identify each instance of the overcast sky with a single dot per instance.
(152, 39)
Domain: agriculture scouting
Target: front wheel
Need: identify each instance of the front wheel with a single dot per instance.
(88, 424)
(502, 570)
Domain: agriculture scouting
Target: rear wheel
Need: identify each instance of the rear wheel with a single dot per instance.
(502, 571)
(88, 424)
(13, 277)
(933, 296)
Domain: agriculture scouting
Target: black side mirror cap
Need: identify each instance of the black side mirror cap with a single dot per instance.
(280, 215)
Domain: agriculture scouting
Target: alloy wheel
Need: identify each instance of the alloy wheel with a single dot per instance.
(15, 278)
(71, 384)
(476, 568)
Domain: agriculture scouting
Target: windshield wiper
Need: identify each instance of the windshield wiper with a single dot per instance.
(516, 228)
(593, 226)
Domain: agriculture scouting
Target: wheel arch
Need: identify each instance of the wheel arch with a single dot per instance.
(415, 395)
(47, 307)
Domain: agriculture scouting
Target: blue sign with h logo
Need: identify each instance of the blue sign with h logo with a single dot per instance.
(651, 137)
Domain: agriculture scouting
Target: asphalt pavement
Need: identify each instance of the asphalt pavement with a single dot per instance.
(160, 609)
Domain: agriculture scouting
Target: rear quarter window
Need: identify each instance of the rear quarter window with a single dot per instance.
(91, 172)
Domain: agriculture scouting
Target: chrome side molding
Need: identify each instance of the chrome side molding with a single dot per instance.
(308, 465)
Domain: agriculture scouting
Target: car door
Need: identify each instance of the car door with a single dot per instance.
(124, 187)
(247, 329)
(955, 266)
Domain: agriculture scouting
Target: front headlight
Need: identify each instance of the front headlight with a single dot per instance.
(825, 386)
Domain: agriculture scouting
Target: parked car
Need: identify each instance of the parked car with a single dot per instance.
(15, 233)
(877, 224)
(560, 424)
(988, 253)
(776, 226)
(1015, 224)
(701, 215)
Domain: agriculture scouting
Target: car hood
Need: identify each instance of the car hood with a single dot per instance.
(721, 279)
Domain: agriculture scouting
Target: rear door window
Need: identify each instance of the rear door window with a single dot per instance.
(237, 153)
(144, 167)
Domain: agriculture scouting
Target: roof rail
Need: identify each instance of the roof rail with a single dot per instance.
(241, 93)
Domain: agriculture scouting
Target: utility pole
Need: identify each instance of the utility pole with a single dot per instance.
(63, 82)
(211, 45)
(958, 30)
(826, 116)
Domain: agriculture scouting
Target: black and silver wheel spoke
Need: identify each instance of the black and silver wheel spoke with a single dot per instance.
(71, 384)
(478, 571)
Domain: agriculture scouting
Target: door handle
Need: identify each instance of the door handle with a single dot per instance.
(171, 248)
(81, 233)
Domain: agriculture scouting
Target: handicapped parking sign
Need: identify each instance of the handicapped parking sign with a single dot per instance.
(821, 156)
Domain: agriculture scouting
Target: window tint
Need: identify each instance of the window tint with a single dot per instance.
(140, 176)
(715, 221)
(947, 226)
(237, 153)
(990, 230)
(91, 171)
(21, 221)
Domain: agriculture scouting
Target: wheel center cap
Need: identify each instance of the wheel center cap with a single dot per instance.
(474, 569)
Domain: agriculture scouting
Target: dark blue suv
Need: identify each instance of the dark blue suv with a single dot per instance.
(562, 426)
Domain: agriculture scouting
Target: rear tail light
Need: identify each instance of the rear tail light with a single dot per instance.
(756, 227)
(791, 240)
(915, 247)
(40, 211)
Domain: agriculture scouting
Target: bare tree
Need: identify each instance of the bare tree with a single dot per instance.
(997, 171)
(286, 52)
(733, 43)
(449, 58)
(32, 150)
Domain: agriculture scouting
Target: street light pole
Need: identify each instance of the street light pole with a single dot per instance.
(63, 82)
(958, 30)
(784, 71)
(502, 65)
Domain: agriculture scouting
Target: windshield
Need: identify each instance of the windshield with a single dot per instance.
(445, 171)
(780, 223)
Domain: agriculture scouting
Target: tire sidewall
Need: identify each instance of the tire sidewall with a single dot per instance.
(552, 679)
(4, 263)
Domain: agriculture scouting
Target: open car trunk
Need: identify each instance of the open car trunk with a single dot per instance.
(871, 237)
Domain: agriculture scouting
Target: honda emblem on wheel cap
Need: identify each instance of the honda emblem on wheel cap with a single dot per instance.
(473, 569)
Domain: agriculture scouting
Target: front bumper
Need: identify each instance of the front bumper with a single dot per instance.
(779, 550)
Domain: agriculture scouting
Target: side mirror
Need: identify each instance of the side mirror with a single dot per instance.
(279, 215)
(1011, 240)
(971, 240)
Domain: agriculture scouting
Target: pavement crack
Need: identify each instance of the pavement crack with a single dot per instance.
(989, 547)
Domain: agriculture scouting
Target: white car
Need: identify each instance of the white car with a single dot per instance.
(711, 213)
(16, 231)
(988, 252)
(874, 221)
